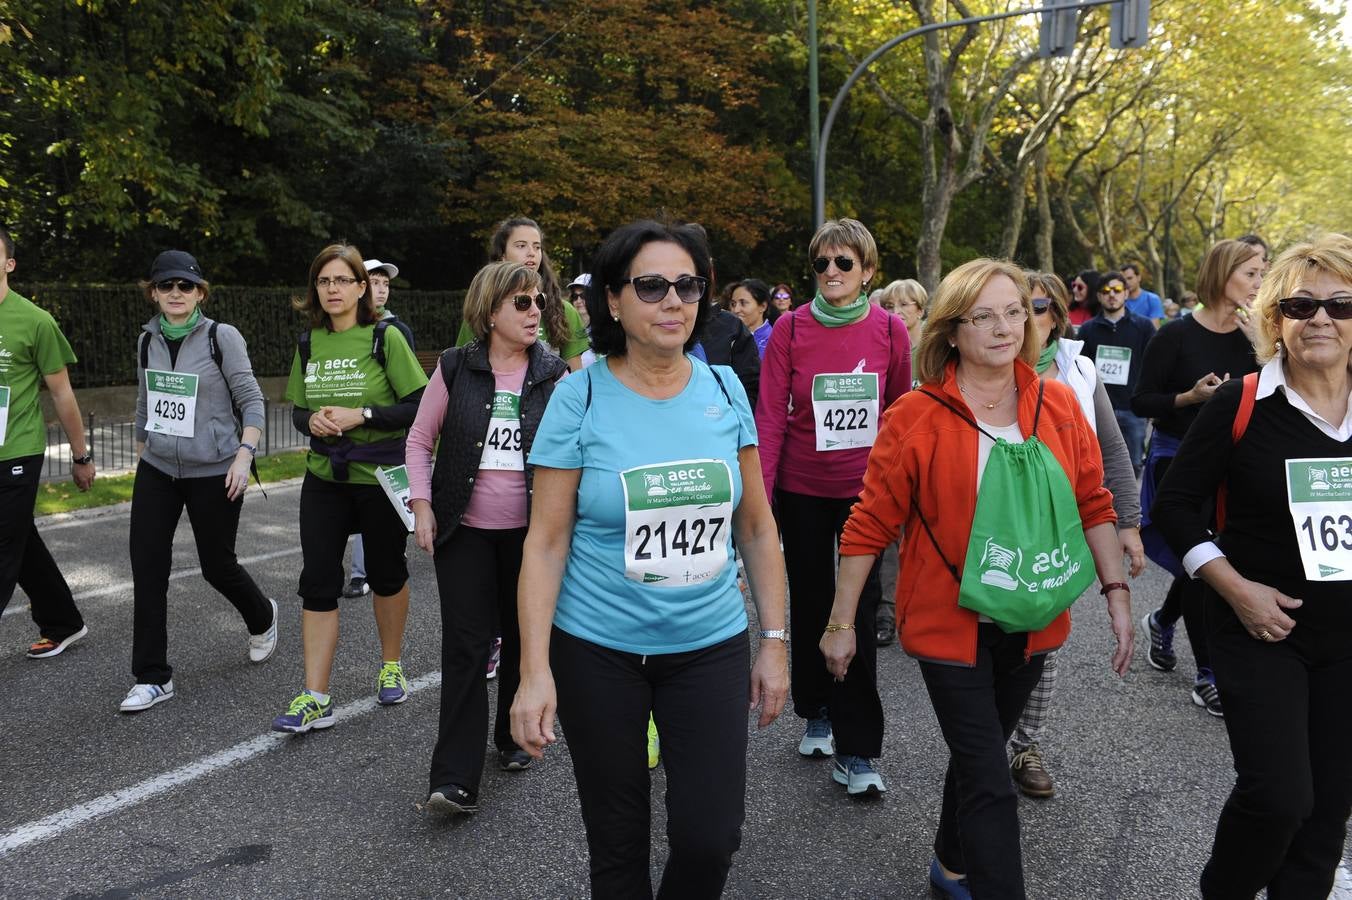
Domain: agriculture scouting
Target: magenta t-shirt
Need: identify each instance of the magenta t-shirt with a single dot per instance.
(800, 348)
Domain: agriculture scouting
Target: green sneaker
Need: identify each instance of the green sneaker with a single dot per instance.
(304, 713)
(392, 684)
(654, 745)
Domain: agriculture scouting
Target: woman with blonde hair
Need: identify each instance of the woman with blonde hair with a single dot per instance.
(992, 478)
(477, 422)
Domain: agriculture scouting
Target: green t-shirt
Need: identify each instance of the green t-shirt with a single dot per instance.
(341, 372)
(31, 346)
(574, 346)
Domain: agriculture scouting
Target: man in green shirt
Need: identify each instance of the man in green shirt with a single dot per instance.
(33, 347)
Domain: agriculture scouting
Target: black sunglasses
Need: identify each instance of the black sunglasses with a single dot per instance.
(1041, 305)
(522, 302)
(1339, 307)
(652, 288)
(184, 286)
(843, 263)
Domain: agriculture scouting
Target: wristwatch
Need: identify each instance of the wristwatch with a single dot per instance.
(778, 634)
(82, 460)
(366, 413)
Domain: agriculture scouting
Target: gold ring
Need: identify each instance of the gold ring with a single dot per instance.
(1264, 635)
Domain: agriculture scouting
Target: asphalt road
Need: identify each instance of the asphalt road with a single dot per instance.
(196, 798)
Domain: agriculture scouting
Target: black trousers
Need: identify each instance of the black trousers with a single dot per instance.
(810, 528)
(157, 503)
(329, 512)
(1184, 600)
(699, 701)
(977, 709)
(1287, 708)
(24, 558)
(477, 572)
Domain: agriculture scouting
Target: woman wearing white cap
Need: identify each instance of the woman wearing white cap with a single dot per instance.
(577, 290)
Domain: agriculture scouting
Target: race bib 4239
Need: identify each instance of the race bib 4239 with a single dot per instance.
(677, 518)
(171, 402)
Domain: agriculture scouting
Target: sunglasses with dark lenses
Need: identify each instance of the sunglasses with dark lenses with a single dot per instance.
(522, 302)
(652, 288)
(184, 286)
(843, 263)
(1339, 307)
(1041, 305)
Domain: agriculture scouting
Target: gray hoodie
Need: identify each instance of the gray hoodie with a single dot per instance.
(215, 440)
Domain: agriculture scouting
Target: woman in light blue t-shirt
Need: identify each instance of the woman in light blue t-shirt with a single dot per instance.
(645, 469)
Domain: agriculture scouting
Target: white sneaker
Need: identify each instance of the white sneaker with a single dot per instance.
(144, 696)
(262, 645)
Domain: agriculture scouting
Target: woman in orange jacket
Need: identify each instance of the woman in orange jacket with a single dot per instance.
(995, 482)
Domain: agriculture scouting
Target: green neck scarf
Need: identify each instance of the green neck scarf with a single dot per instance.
(179, 332)
(1044, 361)
(838, 316)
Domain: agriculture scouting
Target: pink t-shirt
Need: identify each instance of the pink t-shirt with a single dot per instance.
(499, 497)
(799, 349)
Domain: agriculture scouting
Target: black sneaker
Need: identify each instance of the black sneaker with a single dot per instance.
(1160, 653)
(451, 800)
(1205, 695)
(885, 633)
(514, 760)
(357, 587)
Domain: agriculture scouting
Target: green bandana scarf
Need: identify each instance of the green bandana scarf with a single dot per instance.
(1044, 362)
(179, 332)
(838, 316)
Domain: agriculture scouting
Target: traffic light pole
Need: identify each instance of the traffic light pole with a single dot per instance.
(1133, 36)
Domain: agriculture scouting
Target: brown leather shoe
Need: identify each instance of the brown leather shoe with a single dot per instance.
(1030, 774)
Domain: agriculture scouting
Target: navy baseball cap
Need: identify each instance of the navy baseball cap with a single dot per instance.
(176, 264)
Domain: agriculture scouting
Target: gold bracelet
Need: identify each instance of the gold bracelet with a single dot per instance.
(833, 627)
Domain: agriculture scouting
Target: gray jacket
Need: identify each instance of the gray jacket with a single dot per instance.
(215, 440)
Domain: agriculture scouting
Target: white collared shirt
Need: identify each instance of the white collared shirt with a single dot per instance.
(1270, 378)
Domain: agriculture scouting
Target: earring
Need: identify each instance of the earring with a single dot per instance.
(492, 324)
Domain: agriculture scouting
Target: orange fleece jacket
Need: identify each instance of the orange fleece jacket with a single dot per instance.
(926, 452)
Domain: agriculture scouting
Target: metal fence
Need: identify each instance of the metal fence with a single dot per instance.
(102, 323)
(113, 443)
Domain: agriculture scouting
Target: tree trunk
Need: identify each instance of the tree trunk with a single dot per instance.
(1046, 226)
(1018, 200)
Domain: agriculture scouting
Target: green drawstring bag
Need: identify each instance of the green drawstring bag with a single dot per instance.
(1027, 560)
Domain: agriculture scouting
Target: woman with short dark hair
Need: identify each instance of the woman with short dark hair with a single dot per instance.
(646, 468)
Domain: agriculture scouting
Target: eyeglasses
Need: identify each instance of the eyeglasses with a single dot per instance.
(1112, 290)
(1041, 305)
(184, 286)
(843, 263)
(1339, 307)
(985, 320)
(652, 288)
(341, 280)
(522, 302)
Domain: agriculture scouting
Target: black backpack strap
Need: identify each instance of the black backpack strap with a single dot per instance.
(952, 569)
(721, 386)
(587, 405)
(1037, 415)
(303, 348)
(378, 342)
(143, 349)
(215, 348)
(957, 412)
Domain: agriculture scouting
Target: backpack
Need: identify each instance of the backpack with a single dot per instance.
(143, 350)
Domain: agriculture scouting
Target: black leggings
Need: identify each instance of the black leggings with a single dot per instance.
(477, 571)
(329, 512)
(157, 503)
(810, 527)
(699, 700)
(1184, 600)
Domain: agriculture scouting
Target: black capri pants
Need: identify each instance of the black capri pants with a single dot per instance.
(329, 512)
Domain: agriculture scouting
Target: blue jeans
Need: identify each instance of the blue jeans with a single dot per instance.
(1133, 432)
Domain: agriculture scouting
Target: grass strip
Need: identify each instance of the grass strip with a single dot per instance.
(64, 496)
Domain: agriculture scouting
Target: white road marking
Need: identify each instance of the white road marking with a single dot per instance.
(67, 819)
(126, 586)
